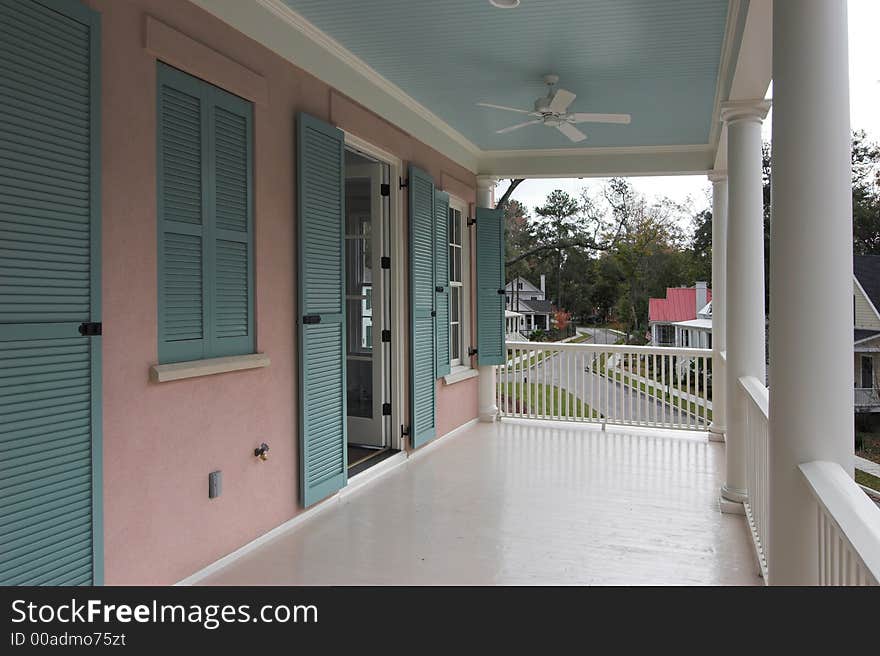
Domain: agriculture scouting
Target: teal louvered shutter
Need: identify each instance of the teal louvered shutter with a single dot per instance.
(441, 277)
(422, 253)
(205, 203)
(182, 215)
(490, 286)
(322, 388)
(231, 303)
(50, 281)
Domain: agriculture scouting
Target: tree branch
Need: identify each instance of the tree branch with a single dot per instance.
(560, 246)
(514, 183)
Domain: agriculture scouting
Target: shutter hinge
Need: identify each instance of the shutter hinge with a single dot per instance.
(472, 351)
(386, 335)
(403, 182)
(471, 221)
(91, 329)
(385, 263)
(404, 431)
(386, 409)
(385, 189)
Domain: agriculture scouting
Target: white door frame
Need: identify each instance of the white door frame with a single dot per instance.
(399, 381)
(375, 425)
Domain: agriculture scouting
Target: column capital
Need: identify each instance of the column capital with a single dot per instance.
(752, 110)
(717, 175)
(485, 182)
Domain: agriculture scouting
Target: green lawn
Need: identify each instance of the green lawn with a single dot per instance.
(537, 359)
(550, 400)
(868, 480)
(659, 393)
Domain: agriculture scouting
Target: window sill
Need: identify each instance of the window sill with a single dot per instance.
(163, 373)
(459, 374)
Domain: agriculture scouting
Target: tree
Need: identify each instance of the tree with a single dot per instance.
(559, 224)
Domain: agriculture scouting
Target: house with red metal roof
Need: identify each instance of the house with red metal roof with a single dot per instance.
(683, 318)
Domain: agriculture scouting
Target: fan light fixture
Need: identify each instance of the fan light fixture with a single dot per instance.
(504, 4)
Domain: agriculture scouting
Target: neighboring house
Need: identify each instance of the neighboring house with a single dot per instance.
(530, 301)
(866, 332)
(683, 318)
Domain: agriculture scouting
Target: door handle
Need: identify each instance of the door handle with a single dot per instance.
(312, 318)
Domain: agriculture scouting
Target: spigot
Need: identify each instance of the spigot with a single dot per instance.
(262, 452)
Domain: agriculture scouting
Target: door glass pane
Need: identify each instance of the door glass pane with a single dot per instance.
(359, 293)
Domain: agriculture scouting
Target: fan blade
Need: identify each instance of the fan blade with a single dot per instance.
(506, 109)
(571, 132)
(517, 127)
(561, 100)
(623, 119)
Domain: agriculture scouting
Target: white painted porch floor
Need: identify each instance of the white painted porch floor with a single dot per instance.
(523, 503)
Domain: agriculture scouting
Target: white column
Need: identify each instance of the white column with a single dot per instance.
(486, 401)
(719, 301)
(811, 401)
(745, 334)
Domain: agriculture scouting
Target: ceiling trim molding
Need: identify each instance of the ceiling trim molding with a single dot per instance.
(275, 26)
(598, 150)
(302, 25)
(730, 47)
(598, 162)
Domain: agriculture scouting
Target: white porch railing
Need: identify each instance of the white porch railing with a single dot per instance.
(757, 463)
(866, 397)
(849, 527)
(598, 383)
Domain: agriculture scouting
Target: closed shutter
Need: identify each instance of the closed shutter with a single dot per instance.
(205, 222)
(50, 392)
(490, 286)
(232, 312)
(441, 276)
(321, 200)
(422, 253)
(182, 212)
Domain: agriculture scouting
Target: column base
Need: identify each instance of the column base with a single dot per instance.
(716, 433)
(732, 500)
(489, 415)
(731, 507)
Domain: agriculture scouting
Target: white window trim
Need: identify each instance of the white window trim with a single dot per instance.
(462, 363)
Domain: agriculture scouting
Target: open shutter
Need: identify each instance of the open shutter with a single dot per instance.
(231, 231)
(50, 283)
(422, 292)
(182, 171)
(441, 278)
(490, 286)
(321, 201)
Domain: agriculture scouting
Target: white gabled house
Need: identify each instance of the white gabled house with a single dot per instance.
(866, 332)
(531, 302)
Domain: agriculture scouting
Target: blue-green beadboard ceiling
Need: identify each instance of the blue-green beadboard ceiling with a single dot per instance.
(655, 59)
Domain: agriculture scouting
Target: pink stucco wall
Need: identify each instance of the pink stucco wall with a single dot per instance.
(162, 440)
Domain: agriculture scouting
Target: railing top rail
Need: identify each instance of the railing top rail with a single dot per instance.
(610, 348)
(856, 516)
(759, 394)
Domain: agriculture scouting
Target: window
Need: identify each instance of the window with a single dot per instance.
(519, 285)
(205, 220)
(458, 286)
(665, 335)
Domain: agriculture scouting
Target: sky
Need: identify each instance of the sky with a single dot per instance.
(864, 76)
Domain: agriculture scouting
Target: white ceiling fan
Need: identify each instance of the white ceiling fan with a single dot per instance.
(552, 111)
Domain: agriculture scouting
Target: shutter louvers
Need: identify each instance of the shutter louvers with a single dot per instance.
(181, 173)
(422, 341)
(490, 284)
(232, 312)
(321, 279)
